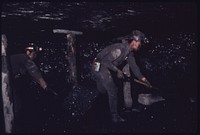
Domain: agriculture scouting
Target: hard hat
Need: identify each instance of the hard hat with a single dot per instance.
(32, 47)
(138, 36)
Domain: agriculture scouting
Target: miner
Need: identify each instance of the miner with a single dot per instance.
(108, 61)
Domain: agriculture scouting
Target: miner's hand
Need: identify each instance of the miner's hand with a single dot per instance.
(147, 82)
(120, 74)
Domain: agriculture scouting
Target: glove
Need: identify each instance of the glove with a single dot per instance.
(147, 82)
(120, 74)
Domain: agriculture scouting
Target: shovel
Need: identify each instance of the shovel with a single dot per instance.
(126, 78)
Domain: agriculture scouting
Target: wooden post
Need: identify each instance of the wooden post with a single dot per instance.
(71, 57)
(6, 89)
(71, 53)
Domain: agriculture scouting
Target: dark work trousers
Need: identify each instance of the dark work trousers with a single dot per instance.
(105, 84)
(128, 101)
(23, 105)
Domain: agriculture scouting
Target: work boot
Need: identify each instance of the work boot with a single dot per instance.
(116, 118)
(129, 110)
(138, 108)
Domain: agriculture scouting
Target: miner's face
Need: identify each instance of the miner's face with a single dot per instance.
(32, 55)
(135, 45)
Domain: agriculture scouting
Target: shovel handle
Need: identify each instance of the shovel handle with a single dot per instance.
(140, 82)
(53, 92)
(126, 78)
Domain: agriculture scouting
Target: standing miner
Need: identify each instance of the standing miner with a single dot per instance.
(109, 60)
(23, 71)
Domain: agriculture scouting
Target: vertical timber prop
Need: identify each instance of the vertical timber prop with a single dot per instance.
(71, 53)
(80, 98)
(6, 88)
